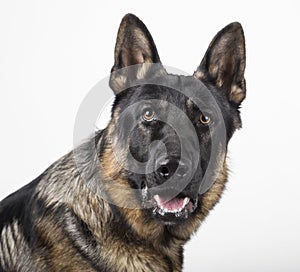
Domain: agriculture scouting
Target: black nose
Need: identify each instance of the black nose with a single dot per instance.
(167, 168)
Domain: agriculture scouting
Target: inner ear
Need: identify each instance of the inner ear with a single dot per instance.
(131, 57)
(134, 46)
(224, 62)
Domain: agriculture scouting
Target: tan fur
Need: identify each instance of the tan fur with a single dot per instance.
(61, 256)
(14, 251)
(200, 75)
(237, 94)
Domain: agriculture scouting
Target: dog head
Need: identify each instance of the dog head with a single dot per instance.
(168, 135)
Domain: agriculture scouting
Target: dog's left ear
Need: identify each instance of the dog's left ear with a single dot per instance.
(224, 63)
(134, 47)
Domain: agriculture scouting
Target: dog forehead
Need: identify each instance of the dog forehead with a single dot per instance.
(169, 84)
(180, 83)
(183, 92)
(162, 97)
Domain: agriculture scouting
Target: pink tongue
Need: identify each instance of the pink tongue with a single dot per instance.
(173, 204)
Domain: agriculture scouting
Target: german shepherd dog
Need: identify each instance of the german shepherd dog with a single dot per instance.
(131, 196)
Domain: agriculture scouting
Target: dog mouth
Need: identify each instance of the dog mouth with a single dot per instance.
(171, 209)
(175, 205)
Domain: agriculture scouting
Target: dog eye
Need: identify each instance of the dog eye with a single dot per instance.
(148, 115)
(204, 119)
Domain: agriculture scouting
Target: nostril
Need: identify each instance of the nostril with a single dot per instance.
(168, 167)
(164, 171)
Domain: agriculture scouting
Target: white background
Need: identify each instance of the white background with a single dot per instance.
(53, 52)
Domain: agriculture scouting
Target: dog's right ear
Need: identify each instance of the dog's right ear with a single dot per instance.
(134, 46)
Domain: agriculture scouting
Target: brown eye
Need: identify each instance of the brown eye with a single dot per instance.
(204, 119)
(148, 115)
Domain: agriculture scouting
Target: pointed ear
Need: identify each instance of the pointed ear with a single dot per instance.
(224, 62)
(134, 46)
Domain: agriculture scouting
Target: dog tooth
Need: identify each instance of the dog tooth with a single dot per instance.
(186, 201)
(156, 198)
